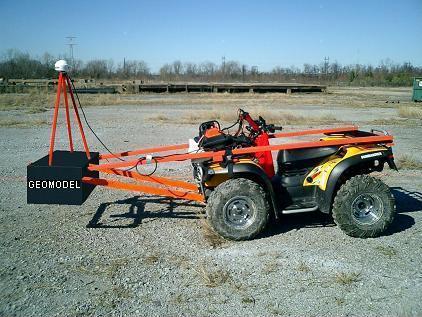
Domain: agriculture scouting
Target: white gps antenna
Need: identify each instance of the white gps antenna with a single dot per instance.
(61, 66)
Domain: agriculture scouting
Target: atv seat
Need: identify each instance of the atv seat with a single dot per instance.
(294, 156)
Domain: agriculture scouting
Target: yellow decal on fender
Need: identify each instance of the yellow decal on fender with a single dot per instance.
(320, 174)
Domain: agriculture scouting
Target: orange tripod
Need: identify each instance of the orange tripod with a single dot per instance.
(65, 85)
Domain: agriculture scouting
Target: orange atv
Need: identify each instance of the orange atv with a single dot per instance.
(242, 190)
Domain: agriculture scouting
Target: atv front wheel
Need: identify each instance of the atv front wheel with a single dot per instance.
(238, 209)
(364, 207)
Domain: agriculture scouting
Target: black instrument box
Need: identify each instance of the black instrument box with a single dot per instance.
(60, 183)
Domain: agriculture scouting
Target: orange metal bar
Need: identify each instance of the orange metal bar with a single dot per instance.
(153, 179)
(143, 188)
(302, 145)
(69, 127)
(314, 131)
(170, 158)
(145, 151)
(78, 119)
(54, 123)
(185, 145)
(219, 154)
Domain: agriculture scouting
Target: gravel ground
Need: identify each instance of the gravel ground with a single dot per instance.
(124, 253)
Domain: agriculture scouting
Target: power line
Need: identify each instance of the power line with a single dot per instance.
(71, 43)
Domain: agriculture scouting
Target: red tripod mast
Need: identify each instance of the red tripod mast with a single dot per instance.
(65, 85)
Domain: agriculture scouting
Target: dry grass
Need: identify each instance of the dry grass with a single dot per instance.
(35, 110)
(13, 123)
(274, 309)
(212, 278)
(248, 300)
(212, 238)
(151, 259)
(392, 121)
(180, 261)
(387, 251)
(26, 102)
(224, 115)
(347, 278)
(109, 269)
(410, 112)
(302, 267)
(178, 299)
(109, 298)
(115, 266)
(270, 267)
(339, 97)
(408, 162)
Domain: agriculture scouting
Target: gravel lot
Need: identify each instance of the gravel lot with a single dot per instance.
(125, 253)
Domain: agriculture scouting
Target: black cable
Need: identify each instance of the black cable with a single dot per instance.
(140, 159)
(149, 174)
(102, 143)
(231, 126)
(237, 122)
(87, 123)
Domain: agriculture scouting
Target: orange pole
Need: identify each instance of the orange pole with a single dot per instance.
(143, 188)
(314, 131)
(185, 145)
(247, 150)
(78, 119)
(69, 127)
(147, 150)
(153, 179)
(56, 112)
(303, 145)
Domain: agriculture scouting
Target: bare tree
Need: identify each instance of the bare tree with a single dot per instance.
(96, 69)
(16, 64)
(166, 72)
(177, 67)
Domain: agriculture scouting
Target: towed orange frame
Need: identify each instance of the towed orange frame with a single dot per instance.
(178, 189)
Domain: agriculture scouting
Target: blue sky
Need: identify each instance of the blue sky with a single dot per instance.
(263, 33)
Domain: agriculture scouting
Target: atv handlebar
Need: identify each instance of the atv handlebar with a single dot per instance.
(217, 139)
(257, 125)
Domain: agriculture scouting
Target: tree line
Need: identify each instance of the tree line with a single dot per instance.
(16, 64)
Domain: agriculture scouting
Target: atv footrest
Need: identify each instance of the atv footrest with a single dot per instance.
(60, 183)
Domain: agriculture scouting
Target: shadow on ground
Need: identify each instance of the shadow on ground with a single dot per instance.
(406, 202)
(137, 211)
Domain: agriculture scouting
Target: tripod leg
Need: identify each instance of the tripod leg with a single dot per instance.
(69, 128)
(78, 119)
(56, 112)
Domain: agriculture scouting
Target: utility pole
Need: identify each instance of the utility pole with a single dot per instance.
(243, 72)
(223, 62)
(70, 43)
(326, 64)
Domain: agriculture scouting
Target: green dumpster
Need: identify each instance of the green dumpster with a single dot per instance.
(417, 89)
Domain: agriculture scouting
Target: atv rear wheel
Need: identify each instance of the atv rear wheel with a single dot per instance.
(364, 207)
(238, 209)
